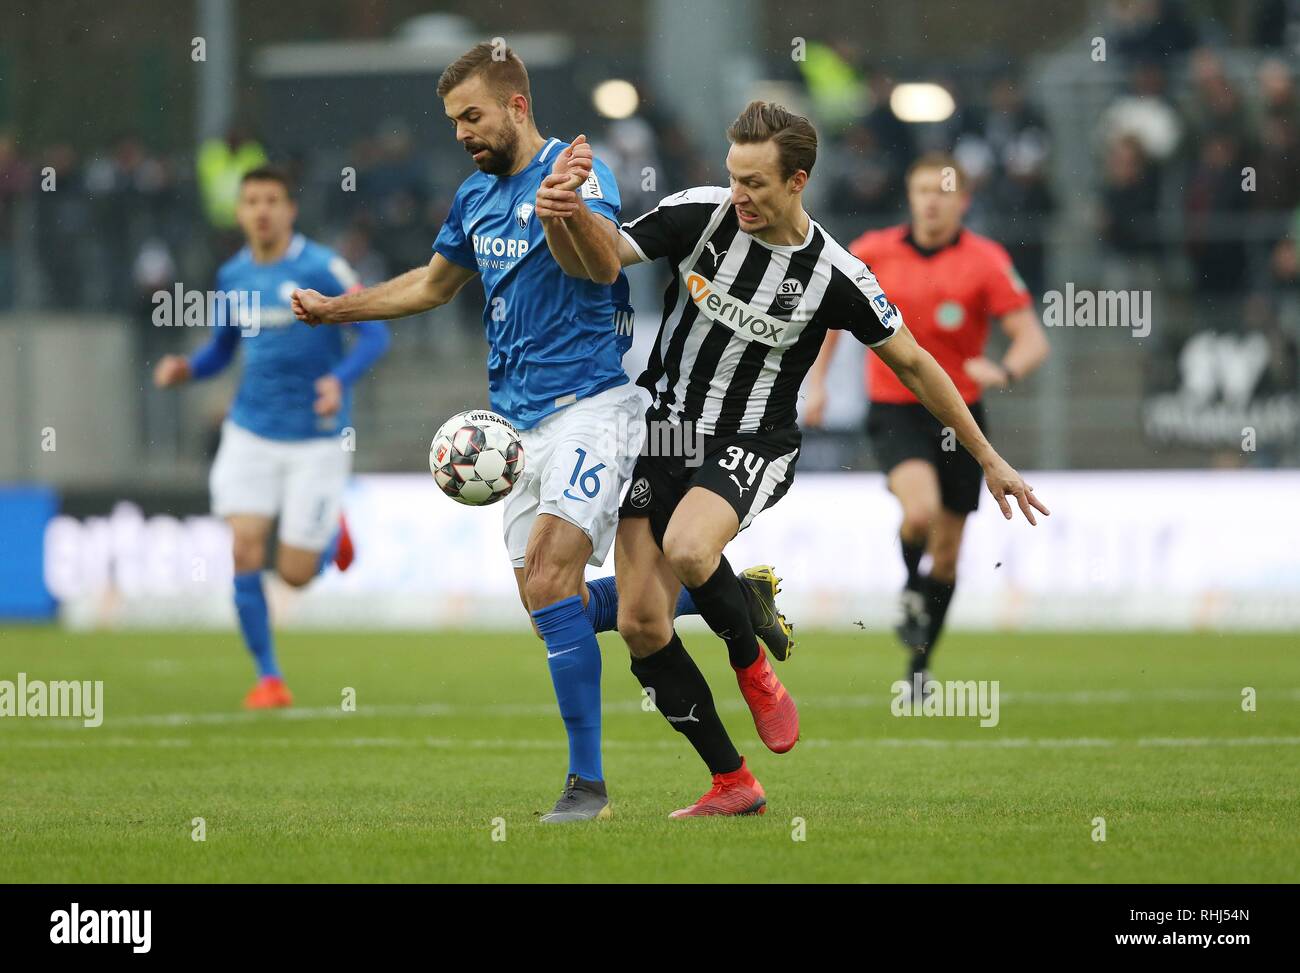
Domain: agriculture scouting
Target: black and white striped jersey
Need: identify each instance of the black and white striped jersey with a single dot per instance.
(743, 321)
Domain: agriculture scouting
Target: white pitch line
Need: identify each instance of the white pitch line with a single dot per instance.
(1102, 697)
(454, 743)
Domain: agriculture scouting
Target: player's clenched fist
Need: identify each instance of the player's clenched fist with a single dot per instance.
(172, 370)
(574, 164)
(553, 200)
(309, 305)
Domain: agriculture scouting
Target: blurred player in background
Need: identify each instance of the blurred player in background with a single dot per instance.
(555, 371)
(282, 451)
(757, 285)
(949, 282)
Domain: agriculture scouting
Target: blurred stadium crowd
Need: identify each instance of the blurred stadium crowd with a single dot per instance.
(1183, 121)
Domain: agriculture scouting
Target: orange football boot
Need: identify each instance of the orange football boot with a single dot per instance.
(775, 716)
(731, 794)
(269, 693)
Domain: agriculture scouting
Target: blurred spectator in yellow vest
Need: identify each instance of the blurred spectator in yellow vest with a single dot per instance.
(837, 91)
(222, 163)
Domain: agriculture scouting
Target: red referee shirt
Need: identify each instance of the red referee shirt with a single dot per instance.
(947, 297)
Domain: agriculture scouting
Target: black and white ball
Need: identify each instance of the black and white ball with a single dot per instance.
(476, 457)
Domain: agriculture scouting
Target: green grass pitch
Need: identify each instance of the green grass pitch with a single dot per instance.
(455, 742)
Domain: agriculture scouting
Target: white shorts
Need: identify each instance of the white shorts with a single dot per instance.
(300, 480)
(576, 462)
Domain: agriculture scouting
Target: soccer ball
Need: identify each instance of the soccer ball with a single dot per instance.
(476, 457)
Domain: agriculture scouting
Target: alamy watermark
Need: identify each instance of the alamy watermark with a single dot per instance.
(122, 926)
(82, 700)
(186, 308)
(933, 697)
(634, 436)
(1082, 308)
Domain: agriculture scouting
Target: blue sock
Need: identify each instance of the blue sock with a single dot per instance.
(574, 659)
(685, 604)
(327, 555)
(602, 604)
(255, 621)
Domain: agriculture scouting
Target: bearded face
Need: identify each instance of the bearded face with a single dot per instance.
(494, 152)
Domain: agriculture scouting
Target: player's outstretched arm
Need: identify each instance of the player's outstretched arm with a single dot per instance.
(416, 290)
(924, 378)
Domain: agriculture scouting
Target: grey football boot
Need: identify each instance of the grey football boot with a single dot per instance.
(582, 800)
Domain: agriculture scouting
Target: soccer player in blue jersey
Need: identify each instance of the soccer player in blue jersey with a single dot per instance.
(282, 448)
(555, 371)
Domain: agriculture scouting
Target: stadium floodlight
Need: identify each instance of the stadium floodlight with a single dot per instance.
(922, 101)
(616, 98)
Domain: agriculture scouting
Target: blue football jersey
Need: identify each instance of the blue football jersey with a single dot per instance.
(552, 338)
(282, 356)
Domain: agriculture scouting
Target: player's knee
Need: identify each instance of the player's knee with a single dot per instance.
(294, 576)
(249, 554)
(692, 559)
(545, 583)
(644, 632)
(917, 521)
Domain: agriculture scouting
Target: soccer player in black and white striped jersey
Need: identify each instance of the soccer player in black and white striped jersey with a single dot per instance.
(757, 284)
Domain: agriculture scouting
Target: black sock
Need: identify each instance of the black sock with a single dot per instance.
(682, 695)
(912, 554)
(919, 660)
(721, 603)
(938, 594)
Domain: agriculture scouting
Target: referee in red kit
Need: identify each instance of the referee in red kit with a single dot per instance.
(949, 283)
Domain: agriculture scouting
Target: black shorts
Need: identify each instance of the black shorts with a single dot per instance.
(901, 432)
(751, 471)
